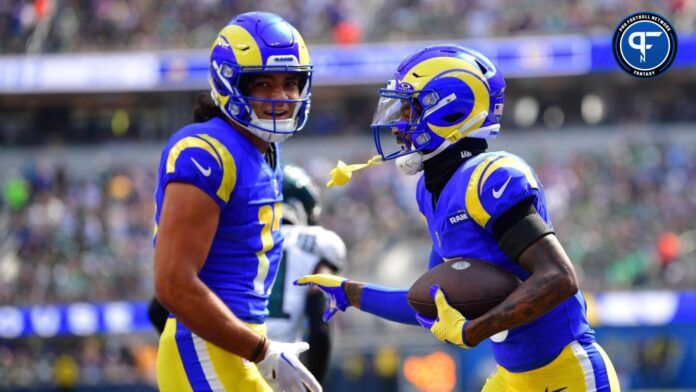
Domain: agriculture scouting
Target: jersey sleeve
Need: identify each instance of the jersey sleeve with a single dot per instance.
(202, 161)
(497, 184)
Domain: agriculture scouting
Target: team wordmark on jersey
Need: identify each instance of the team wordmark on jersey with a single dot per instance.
(457, 218)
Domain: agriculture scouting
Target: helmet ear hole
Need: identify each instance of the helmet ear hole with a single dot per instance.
(483, 69)
(453, 117)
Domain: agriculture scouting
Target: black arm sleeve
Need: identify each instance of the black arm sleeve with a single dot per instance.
(519, 227)
(319, 336)
(158, 315)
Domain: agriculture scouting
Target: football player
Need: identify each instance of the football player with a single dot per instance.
(307, 249)
(218, 197)
(441, 106)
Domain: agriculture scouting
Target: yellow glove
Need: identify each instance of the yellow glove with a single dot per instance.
(332, 286)
(449, 326)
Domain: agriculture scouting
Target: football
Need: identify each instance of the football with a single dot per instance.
(471, 286)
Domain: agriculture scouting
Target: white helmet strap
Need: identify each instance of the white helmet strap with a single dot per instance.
(442, 147)
(463, 130)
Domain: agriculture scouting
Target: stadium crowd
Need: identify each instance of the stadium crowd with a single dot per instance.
(68, 362)
(624, 217)
(73, 239)
(81, 25)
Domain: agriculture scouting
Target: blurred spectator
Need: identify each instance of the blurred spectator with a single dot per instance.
(623, 213)
(78, 239)
(71, 361)
(81, 25)
(620, 213)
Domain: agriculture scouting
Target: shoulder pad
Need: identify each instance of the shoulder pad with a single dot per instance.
(324, 243)
(203, 161)
(497, 183)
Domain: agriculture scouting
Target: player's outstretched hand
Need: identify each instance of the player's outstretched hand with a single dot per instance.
(449, 325)
(283, 371)
(332, 286)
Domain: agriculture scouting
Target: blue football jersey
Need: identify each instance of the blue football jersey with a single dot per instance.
(460, 225)
(246, 250)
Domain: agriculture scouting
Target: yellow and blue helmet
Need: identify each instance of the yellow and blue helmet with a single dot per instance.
(253, 43)
(439, 95)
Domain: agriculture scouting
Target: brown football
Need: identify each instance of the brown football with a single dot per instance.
(471, 286)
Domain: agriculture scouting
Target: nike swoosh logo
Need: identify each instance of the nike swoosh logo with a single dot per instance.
(499, 192)
(206, 172)
(556, 390)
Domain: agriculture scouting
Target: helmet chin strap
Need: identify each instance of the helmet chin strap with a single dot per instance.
(268, 136)
(464, 130)
(413, 163)
(442, 147)
(272, 130)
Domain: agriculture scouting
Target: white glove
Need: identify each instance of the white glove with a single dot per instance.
(284, 372)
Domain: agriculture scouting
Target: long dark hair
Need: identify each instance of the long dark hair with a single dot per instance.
(205, 108)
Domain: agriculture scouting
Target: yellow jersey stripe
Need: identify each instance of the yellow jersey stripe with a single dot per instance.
(229, 168)
(472, 198)
(266, 218)
(183, 144)
(511, 163)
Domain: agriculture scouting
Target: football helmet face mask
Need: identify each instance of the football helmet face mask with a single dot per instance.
(254, 43)
(439, 95)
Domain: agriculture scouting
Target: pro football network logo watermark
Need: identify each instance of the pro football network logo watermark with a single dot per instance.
(645, 44)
